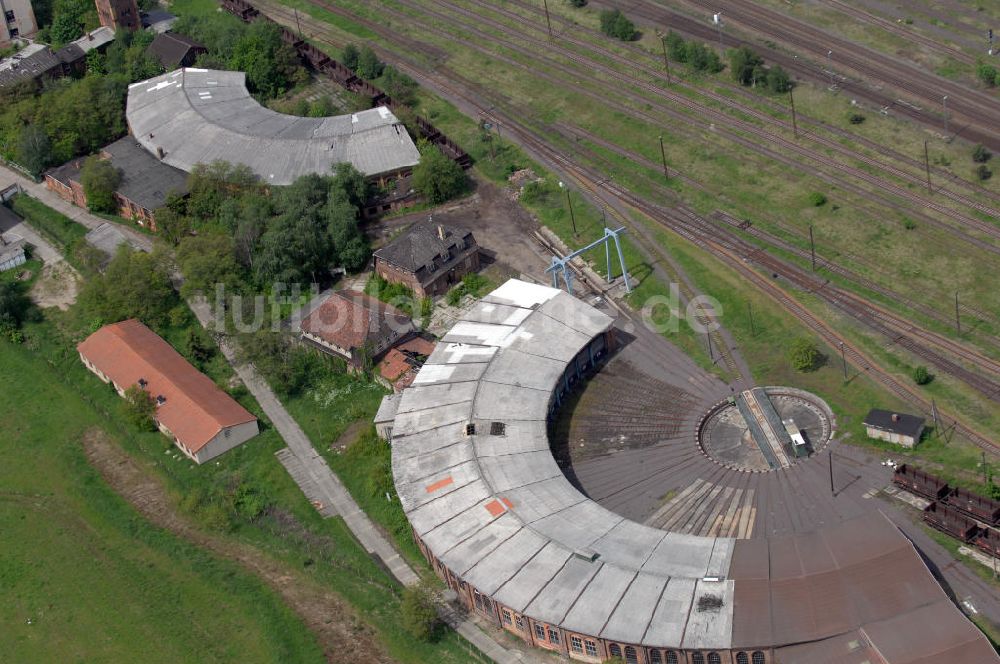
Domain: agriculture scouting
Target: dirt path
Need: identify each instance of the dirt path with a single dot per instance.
(342, 635)
(57, 286)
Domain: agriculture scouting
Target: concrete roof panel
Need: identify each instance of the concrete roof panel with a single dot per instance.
(495, 568)
(710, 626)
(666, 627)
(505, 473)
(533, 576)
(561, 593)
(599, 599)
(632, 613)
(431, 515)
(496, 402)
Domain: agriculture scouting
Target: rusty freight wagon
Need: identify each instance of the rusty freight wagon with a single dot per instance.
(978, 507)
(921, 483)
(950, 521)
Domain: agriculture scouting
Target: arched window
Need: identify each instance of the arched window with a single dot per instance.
(697, 658)
(741, 658)
(654, 657)
(615, 650)
(713, 658)
(758, 657)
(630, 656)
(672, 657)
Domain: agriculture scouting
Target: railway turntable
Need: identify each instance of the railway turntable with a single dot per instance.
(551, 470)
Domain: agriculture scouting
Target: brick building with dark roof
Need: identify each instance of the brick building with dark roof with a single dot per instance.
(899, 428)
(146, 182)
(428, 258)
(355, 326)
(173, 50)
(202, 420)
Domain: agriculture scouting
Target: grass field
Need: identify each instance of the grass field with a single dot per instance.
(85, 578)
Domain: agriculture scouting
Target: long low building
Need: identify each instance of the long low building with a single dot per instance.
(197, 116)
(520, 545)
(202, 420)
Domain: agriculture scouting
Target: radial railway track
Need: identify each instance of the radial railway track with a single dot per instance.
(604, 190)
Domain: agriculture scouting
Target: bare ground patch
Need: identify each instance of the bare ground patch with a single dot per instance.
(342, 635)
(57, 286)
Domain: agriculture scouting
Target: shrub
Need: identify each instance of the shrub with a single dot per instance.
(909, 224)
(419, 612)
(804, 355)
(921, 376)
(438, 178)
(578, 3)
(349, 57)
(816, 199)
(615, 24)
(139, 408)
(855, 118)
(988, 74)
(983, 172)
(980, 154)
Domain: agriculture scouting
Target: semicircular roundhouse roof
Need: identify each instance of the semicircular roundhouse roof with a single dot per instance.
(203, 115)
(500, 514)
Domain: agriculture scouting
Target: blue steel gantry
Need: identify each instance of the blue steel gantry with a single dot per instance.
(560, 265)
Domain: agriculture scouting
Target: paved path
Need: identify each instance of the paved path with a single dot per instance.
(11, 223)
(318, 482)
(84, 218)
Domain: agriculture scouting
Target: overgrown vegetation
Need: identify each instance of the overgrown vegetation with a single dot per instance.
(472, 284)
(615, 24)
(804, 355)
(988, 74)
(693, 53)
(419, 611)
(399, 296)
(921, 376)
(438, 178)
(748, 69)
(100, 180)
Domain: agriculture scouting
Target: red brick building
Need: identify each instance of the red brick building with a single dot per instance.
(428, 258)
(146, 182)
(119, 14)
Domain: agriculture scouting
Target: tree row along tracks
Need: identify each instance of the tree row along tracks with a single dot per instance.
(652, 70)
(654, 61)
(902, 333)
(971, 107)
(606, 192)
(730, 126)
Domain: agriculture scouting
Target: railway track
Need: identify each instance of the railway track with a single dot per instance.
(967, 106)
(698, 114)
(917, 178)
(608, 192)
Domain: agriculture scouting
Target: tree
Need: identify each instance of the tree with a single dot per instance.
(349, 183)
(171, 225)
(140, 408)
(206, 260)
(399, 86)
(578, 3)
(369, 66)
(34, 151)
(134, 285)
(349, 56)
(742, 63)
(14, 304)
(100, 180)
(778, 80)
(198, 349)
(804, 355)
(980, 154)
(921, 376)
(271, 65)
(419, 612)
(701, 57)
(988, 74)
(676, 47)
(615, 24)
(817, 199)
(436, 177)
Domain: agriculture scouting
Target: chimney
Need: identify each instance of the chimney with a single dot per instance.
(895, 417)
(90, 36)
(440, 232)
